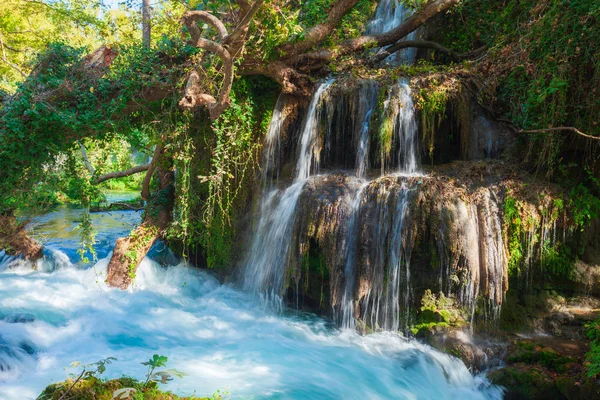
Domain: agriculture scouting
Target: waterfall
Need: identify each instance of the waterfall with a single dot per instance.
(407, 131)
(308, 159)
(366, 103)
(388, 15)
(365, 230)
(346, 318)
(266, 261)
(386, 305)
(272, 146)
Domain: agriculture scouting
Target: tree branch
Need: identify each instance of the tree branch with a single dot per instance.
(423, 44)
(86, 160)
(234, 41)
(191, 17)
(120, 174)
(152, 166)
(8, 62)
(424, 14)
(319, 32)
(560, 129)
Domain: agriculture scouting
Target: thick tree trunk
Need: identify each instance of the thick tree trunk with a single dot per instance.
(130, 251)
(146, 24)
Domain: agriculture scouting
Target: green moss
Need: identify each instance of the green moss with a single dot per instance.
(96, 389)
(436, 312)
(530, 353)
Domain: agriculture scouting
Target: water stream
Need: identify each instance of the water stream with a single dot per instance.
(267, 258)
(219, 336)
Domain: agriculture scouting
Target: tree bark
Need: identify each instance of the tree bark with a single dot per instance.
(121, 174)
(424, 44)
(129, 251)
(319, 32)
(424, 14)
(15, 241)
(146, 23)
(561, 129)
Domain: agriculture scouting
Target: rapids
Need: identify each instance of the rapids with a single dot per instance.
(216, 334)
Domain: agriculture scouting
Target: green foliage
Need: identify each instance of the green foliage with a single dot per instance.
(437, 312)
(65, 97)
(432, 104)
(212, 190)
(93, 369)
(530, 353)
(88, 237)
(593, 356)
(352, 24)
(88, 385)
(585, 206)
(163, 376)
(543, 69)
(514, 230)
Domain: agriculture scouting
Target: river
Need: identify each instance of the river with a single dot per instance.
(218, 335)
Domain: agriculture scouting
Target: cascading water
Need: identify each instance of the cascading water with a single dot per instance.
(218, 336)
(406, 129)
(346, 319)
(265, 265)
(388, 15)
(272, 147)
(367, 102)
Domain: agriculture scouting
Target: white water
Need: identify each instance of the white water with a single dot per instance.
(266, 261)
(347, 320)
(219, 336)
(272, 146)
(366, 104)
(308, 158)
(389, 15)
(407, 131)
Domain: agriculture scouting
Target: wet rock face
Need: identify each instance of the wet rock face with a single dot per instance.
(411, 234)
(487, 137)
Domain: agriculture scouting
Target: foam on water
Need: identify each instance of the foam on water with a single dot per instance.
(219, 336)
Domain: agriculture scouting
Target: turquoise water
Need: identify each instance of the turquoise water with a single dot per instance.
(216, 334)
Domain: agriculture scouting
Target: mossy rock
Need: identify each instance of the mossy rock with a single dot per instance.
(526, 382)
(575, 389)
(95, 389)
(530, 353)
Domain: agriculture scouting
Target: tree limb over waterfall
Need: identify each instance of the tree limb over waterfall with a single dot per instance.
(365, 42)
(424, 44)
(289, 69)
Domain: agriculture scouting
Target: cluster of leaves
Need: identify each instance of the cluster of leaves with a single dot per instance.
(217, 164)
(542, 71)
(526, 230)
(593, 356)
(28, 27)
(63, 96)
(514, 228)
